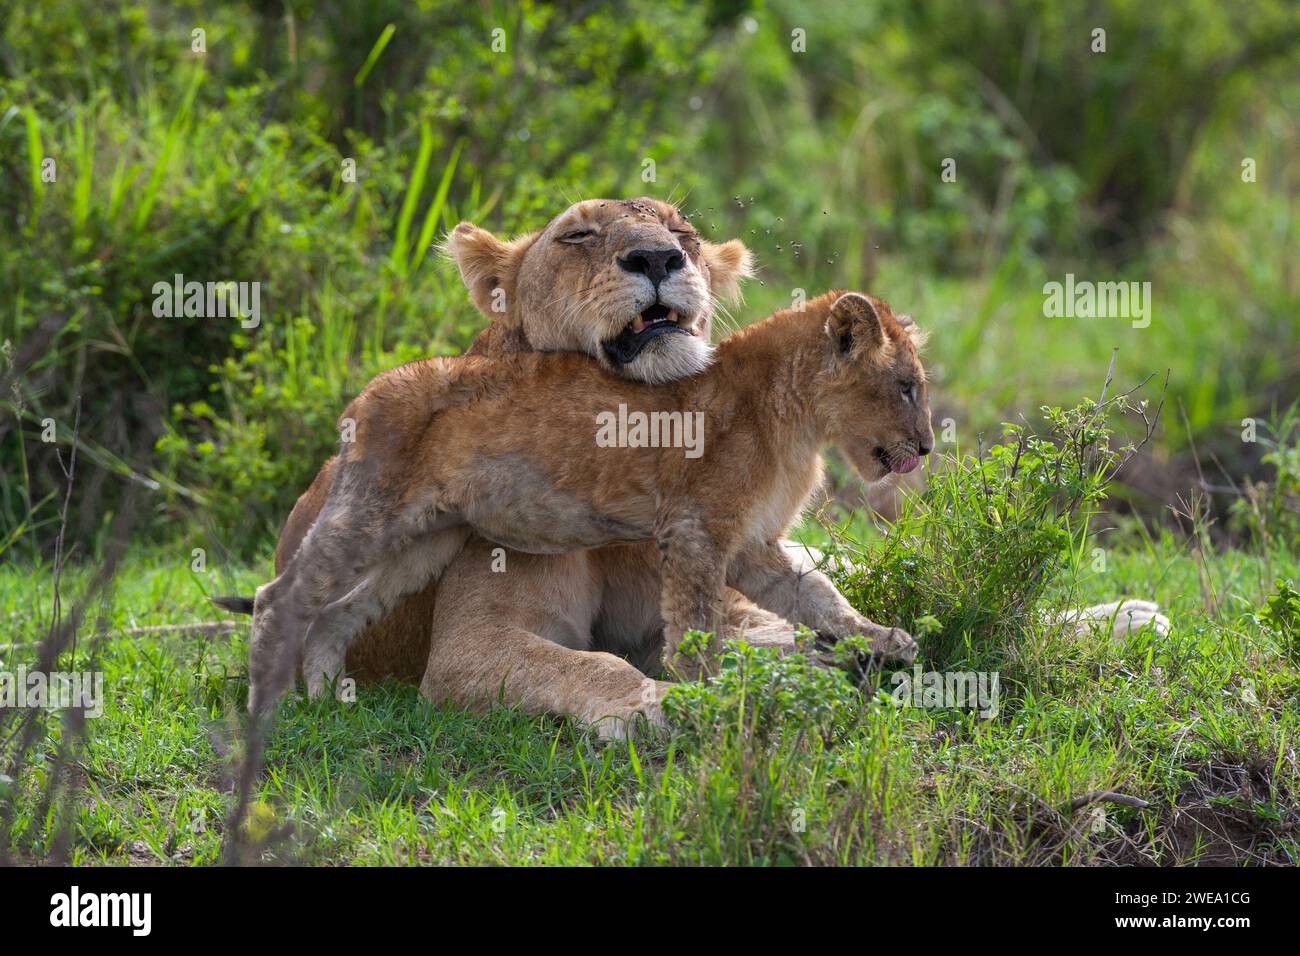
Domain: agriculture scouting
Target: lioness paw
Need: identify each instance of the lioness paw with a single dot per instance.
(1128, 616)
(646, 721)
(639, 715)
(1118, 618)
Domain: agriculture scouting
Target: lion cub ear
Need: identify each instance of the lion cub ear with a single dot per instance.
(728, 263)
(487, 264)
(854, 324)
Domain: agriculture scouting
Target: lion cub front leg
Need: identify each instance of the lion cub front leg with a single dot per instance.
(691, 594)
(352, 567)
(766, 574)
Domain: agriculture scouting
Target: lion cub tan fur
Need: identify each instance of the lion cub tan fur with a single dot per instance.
(507, 448)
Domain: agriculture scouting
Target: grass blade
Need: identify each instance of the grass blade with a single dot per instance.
(34, 157)
(436, 207)
(373, 57)
(400, 241)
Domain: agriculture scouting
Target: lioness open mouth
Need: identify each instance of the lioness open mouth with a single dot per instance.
(655, 321)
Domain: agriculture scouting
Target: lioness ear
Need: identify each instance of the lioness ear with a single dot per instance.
(728, 263)
(487, 265)
(854, 324)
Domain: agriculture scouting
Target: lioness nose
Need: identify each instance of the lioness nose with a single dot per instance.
(655, 264)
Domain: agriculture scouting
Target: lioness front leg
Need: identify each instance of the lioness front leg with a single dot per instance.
(523, 638)
(691, 593)
(767, 575)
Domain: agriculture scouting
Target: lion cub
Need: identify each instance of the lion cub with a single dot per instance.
(547, 453)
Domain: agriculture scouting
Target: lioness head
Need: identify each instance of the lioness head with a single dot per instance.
(629, 282)
(875, 402)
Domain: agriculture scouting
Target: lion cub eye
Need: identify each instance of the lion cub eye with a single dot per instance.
(909, 390)
(578, 235)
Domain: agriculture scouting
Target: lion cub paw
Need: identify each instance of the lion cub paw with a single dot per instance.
(894, 643)
(887, 643)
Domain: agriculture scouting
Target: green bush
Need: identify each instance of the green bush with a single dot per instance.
(1270, 510)
(1282, 615)
(760, 694)
(970, 558)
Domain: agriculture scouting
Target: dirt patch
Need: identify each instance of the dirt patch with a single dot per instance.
(1232, 814)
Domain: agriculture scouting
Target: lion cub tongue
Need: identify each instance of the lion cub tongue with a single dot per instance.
(904, 466)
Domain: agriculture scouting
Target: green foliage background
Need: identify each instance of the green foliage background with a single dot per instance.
(227, 164)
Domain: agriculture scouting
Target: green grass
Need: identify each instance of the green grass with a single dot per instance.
(393, 779)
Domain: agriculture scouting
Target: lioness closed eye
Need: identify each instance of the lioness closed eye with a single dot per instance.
(507, 447)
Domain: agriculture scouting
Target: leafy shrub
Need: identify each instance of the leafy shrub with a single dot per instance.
(1270, 510)
(1282, 614)
(977, 549)
(759, 694)
(240, 417)
(255, 459)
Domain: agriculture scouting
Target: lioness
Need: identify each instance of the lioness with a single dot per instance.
(439, 450)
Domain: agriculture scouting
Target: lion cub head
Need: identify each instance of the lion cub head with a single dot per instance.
(873, 396)
(629, 282)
